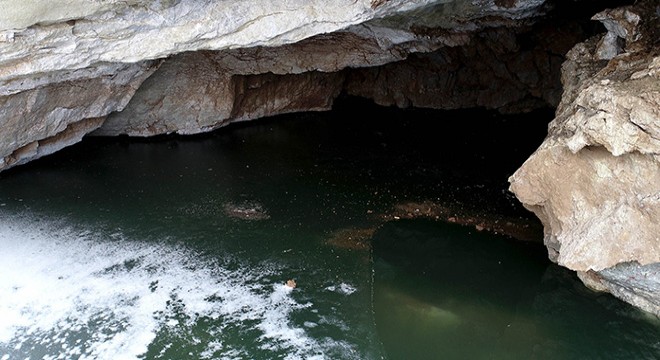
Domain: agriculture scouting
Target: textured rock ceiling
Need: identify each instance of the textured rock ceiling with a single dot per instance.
(85, 59)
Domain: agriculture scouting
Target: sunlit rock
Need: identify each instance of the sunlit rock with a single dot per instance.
(40, 121)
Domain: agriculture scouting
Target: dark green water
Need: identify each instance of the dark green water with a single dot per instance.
(123, 249)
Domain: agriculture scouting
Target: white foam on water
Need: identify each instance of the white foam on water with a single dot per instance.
(343, 288)
(69, 293)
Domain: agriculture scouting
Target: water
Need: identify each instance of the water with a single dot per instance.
(180, 248)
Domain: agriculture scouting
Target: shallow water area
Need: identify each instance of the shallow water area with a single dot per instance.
(181, 248)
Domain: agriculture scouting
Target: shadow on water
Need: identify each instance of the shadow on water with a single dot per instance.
(444, 291)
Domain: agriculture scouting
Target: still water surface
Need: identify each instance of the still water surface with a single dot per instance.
(127, 249)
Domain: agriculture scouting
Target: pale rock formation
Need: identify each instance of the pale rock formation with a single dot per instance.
(595, 181)
(69, 50)
(185, 104)
(42, 120)
(193, 93)
(201, 91)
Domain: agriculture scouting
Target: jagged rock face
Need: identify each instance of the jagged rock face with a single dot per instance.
(493, 71)
(78, 47)
(201, 91)
(182, 80)
(196, 92)
(193, 93)
(595, 181)
(42, 120)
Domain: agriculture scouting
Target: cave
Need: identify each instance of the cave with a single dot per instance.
(348, 179)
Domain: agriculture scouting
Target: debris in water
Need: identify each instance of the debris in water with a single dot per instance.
(291, 283)
(246, 211)
(521, 229)
(352, 238)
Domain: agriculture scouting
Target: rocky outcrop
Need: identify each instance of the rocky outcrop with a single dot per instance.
(312, 76)
(595, 181)
(87, 58)
(45, 119)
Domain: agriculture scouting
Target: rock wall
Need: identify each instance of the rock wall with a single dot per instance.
(201, 91)
(330, 64)
(194, 93)
(595, 180)
(84, 59)
(42, 120)
(493, 71)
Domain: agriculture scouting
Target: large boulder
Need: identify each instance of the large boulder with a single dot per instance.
(595, 180)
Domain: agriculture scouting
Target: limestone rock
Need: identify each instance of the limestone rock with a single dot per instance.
(193, 93)
(595, 181)
(84, 59)
(84, 33)
(598, 210)
(140, 30)
(197, 92)
(492, 71)
(200, 91)
(43, 120)
(68, 50)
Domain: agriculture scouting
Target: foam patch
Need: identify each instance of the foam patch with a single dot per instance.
(74, 293)
(343, 288)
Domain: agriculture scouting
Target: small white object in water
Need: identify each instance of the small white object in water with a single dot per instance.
(291, 283)
(343, 288)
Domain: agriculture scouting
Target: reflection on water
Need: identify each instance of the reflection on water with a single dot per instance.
(180, 248)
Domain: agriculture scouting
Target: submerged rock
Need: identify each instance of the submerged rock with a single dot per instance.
(353, 238)
(518, 228)
(360, 239)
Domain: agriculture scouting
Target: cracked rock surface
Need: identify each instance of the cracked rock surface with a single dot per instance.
(67, 61)
(595, 180)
